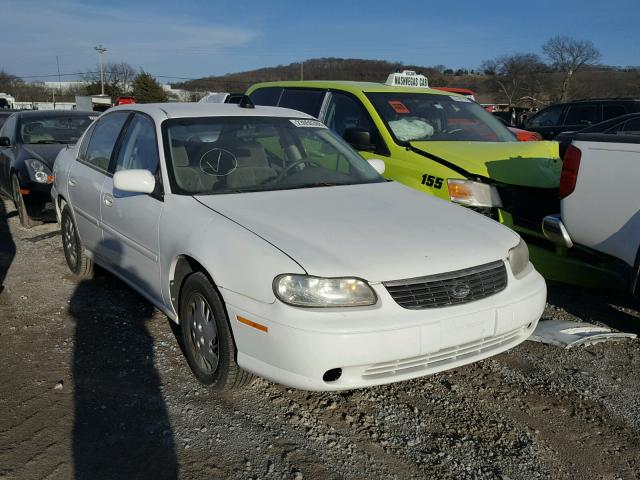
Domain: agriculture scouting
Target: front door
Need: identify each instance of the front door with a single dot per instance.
(130, 221)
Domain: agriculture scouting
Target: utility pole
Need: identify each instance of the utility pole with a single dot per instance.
(302, 70)
(100, 49)
(59, 79)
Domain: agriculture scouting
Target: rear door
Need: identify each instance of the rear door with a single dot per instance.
(89, 172)
(130, 221)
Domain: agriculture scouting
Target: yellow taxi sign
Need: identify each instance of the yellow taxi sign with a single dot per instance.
(407, 78)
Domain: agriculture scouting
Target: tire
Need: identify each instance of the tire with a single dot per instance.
(206, 336)
(77, 261)
(25, 220)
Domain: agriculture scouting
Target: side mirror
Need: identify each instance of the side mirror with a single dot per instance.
(137, 181)
(359, 138)
(377, 164)
(5, 142)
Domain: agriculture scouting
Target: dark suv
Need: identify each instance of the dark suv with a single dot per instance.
(577, 115)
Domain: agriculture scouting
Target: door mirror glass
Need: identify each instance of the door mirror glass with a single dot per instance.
(359, 138)
(377, 164)
(137, 181)
(5, 142)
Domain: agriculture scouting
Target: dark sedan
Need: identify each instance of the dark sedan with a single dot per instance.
(624, 125)
(29, 145)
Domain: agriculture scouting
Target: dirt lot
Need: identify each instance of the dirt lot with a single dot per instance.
(93, 385)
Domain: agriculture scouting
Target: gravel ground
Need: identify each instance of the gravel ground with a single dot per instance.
(93, 385)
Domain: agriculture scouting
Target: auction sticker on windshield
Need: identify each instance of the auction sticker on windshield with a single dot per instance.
(308, 123)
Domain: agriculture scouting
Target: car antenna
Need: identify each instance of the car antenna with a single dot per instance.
(246, 102)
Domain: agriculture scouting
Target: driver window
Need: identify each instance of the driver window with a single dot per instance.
(139, 148)
(547, 117)
(345, 112)
(102, 141)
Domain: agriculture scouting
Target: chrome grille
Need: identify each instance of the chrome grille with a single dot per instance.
(451, 288)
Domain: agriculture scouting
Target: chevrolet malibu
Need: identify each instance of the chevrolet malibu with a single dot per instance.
(281, 252)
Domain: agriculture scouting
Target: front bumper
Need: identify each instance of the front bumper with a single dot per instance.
(38, 201)
(381, 344)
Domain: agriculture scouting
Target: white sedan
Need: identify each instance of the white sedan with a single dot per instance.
(283, 253)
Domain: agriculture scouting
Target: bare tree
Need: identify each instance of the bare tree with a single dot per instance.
(118, 76)
(8, 81)
(568, 56)
(515, 75)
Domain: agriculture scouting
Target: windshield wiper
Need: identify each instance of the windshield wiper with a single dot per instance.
(47, 142)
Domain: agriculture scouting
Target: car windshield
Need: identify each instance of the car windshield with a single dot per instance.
(52, 128)
(247, 154)
(429, 117)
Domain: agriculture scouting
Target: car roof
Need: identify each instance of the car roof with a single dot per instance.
(162, 111)
(350, 86)
(54, 113)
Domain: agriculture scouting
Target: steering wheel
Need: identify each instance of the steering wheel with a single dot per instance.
(286, 170)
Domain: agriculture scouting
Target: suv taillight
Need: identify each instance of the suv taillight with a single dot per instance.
(570, 167)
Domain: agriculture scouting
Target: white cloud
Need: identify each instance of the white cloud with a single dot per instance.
(160, 40)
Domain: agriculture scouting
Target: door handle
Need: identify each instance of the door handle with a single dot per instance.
(108, 200)
(72, 182)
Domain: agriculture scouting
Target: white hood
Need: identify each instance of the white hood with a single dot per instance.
(379, 232)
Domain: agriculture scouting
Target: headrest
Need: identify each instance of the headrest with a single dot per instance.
(250, 155)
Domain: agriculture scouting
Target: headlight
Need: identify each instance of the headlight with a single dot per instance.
(40, 172)
(519, 258)
(473, 194)
(308, 291)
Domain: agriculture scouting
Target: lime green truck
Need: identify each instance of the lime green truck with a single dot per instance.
(446, 145)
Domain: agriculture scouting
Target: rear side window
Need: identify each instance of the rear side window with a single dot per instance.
(307, 101)
(103, 140)
(612, 111)
(582, 115)
(547, 117)
(267, 96)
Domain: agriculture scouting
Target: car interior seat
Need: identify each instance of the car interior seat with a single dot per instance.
(188, 177)
(252, 165)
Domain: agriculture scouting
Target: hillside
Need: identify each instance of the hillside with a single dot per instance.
(601, 81)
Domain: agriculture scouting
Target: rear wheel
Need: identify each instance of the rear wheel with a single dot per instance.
(78, 262)
(206, 335)
(25, 220)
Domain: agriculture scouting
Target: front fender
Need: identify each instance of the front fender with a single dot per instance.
(235, 258)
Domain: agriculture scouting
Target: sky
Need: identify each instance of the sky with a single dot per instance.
(183, 39)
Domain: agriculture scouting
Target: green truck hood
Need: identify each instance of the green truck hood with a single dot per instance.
(529, 164)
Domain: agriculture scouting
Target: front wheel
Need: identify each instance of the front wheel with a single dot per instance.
(77, 261)
(206, 335)
(25, 220)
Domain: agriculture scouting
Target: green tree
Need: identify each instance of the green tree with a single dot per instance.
(109, 89)
(147, 90)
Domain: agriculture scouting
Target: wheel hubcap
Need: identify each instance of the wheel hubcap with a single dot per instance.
(203, 333)
(69, 242)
